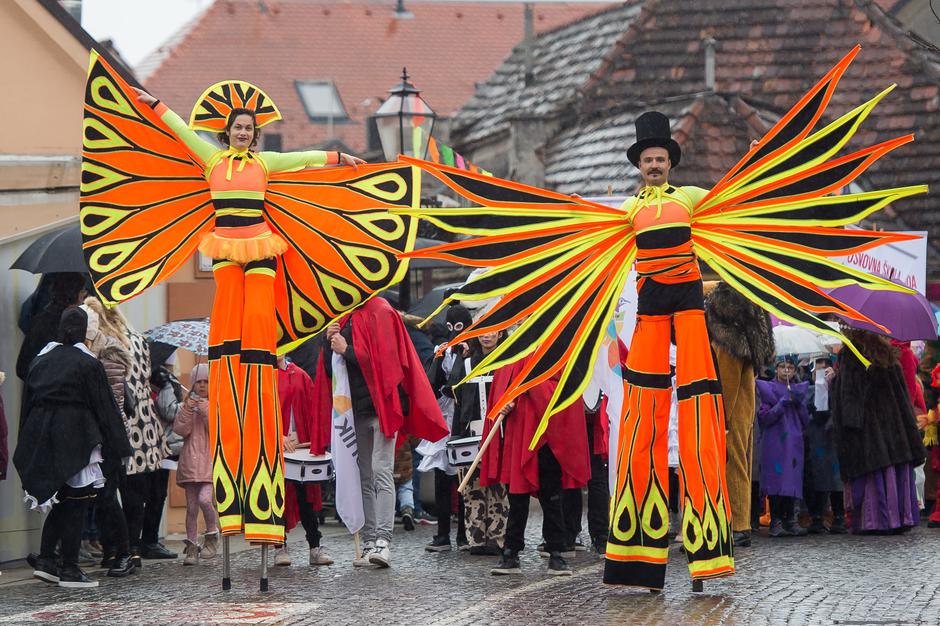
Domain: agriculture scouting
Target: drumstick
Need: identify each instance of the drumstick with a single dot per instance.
(486, 444)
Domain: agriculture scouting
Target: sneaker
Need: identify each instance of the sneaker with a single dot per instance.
(363, 559)
(319, 556)
(508, 564)
(817, 527)
(599, 546)
(408, 518)
(45, 569)
(777, 529)
(557, 565)
(579, 546)
(930, 524)
(90, 548)
(438, 544)
(795, 529)
(380, 557)
(85, 557)
(157, 551)
(282, 556)
(462, 544)
(424, 518)
(568, 552)
(72, 577)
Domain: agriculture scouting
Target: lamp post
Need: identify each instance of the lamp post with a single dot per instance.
(404, 122)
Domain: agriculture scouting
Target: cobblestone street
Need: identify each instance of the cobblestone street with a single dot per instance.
(816, 580)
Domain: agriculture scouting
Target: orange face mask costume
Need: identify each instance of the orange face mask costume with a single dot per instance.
(558, 263)
(293, 248)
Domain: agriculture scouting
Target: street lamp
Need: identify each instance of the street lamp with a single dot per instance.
(404, 121)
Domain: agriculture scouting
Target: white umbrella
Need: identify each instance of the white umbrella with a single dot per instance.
(797, 340)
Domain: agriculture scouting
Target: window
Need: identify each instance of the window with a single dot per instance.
(321, 100)
(271, 142)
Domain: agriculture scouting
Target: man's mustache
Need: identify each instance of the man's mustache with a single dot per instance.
(654, 171)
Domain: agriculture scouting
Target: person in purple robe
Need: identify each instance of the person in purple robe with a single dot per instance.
(783, 416)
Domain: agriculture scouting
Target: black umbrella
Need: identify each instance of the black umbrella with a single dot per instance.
(58, 251)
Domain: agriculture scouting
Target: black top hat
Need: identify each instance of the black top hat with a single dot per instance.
(652, 131)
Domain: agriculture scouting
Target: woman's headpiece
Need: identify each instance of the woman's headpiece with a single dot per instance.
(212, 109)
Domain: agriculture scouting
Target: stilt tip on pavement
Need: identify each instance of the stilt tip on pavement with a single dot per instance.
(698, 586)
(226, 584)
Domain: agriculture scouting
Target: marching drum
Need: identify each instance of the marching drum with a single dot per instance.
(303, 467)
(463, 451)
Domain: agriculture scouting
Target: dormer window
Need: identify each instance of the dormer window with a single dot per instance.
(321, 100)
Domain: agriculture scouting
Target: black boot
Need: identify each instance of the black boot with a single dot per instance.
(557, 566)
(72, 577)
(508, 564)
(741, 539)
(817, 527)
(838, 525)
(121, 566)
(157, 551)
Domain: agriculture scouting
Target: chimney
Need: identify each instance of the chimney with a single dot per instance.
(710, 64)
(528, 45)
(74, 8)
(401, 12)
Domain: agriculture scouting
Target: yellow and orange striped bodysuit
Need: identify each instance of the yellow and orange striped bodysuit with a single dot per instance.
(670, 298)
(244, 420)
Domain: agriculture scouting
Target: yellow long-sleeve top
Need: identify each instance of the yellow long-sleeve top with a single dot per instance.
(237, 182)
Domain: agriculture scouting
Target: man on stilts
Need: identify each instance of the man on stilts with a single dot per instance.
(670, 309)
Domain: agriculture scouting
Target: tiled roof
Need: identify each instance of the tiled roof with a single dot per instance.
(590, 159)
(770, 52)
(358, 44)
(563, 60)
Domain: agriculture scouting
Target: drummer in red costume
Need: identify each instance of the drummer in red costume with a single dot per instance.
(301, 428)
(559, 461)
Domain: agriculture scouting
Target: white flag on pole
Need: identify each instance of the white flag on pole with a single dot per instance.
(345, 451)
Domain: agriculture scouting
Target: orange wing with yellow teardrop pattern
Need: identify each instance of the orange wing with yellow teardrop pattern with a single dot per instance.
(145, 205)
(144, 202)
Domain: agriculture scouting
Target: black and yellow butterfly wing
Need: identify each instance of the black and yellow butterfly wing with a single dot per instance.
(770, 227)
(557, 264)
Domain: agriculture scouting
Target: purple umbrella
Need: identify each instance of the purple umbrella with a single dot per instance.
(908, 316)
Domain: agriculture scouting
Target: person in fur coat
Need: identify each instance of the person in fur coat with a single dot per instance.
(743, 341)
(877, 437)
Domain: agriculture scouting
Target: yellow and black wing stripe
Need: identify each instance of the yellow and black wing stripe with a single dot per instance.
(557, 264)
(771, 229)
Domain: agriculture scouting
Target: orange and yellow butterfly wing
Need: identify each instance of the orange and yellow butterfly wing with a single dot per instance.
(144, 202)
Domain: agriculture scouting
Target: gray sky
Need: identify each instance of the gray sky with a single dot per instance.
(137, 27)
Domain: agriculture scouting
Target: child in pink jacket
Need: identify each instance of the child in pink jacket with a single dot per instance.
(194, 473)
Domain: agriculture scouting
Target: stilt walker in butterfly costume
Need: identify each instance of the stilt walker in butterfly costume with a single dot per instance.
(292, 248)
(769, 229)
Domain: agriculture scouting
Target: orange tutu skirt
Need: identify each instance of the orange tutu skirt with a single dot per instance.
(219, 244)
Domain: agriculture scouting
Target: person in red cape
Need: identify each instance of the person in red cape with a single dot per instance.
(390, 395)
(559, 461)
(598, 509)
(300, 426)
